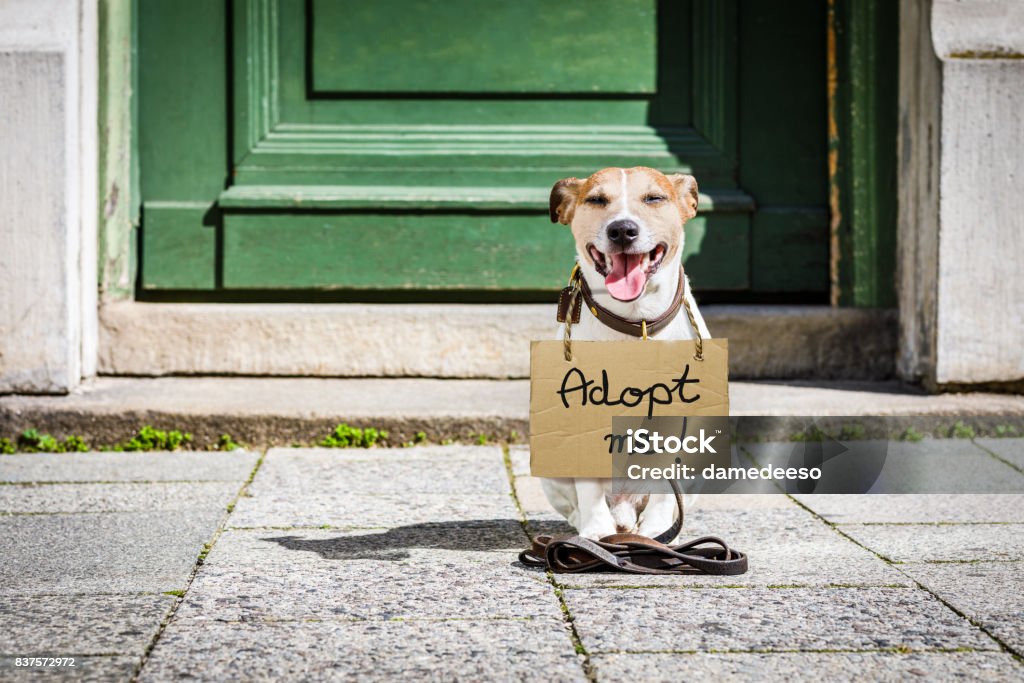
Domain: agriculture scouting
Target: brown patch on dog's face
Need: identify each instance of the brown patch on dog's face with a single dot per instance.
(626, 222)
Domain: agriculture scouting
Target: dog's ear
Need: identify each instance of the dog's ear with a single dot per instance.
(686, 190)
(563, 200)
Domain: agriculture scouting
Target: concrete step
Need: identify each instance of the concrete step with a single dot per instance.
(464, 341)
(282, 411)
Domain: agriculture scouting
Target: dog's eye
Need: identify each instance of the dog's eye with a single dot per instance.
(597, 200)
(654, 199)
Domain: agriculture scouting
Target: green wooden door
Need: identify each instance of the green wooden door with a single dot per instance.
(404, 149)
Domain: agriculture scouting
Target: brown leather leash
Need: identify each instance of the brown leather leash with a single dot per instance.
(636, 554)
(631, 553)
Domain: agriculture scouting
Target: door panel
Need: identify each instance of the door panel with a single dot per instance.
(458, 46)
(409, 145)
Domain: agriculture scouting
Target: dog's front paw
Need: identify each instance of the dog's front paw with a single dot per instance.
(597, 532)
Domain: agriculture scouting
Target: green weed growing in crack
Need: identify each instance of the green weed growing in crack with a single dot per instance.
(417, 439)
(1005, 431)
(177, 594)
(149, 438)
(207, 547)
(812, 433)
(852, 432)
(346, 436)
(34, 441)
(6, 447)
(911, 434)
(225, 443)
(962, 431)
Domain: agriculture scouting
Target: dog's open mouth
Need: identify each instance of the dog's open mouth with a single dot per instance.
(625, 275)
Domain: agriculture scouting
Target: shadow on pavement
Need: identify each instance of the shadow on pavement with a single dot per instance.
(392, 545)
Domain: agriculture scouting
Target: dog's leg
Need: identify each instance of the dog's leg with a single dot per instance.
(624, 512)
(658, 516)
(561, 493)
(595, 519)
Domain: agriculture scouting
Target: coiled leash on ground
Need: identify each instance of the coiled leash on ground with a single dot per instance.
(637, 554)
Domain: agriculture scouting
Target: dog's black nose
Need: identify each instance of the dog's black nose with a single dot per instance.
(623, 232)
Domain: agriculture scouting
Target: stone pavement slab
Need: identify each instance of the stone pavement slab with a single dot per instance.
(412, 572)
(786, 547)
(453, 650)
(881, 667)
(519, 458)
(990, 593)
(377, 487)
(102, 552)
(941, 542)
(928, 466)
(177, 466)
(459, 470)
(1011, 450)
(657, 619)
(77, 625)
(923, 507)
(360, 511)
(1007, 627)
(119, 497)
(978, 589)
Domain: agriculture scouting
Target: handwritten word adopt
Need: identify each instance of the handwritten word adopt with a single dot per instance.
(573, 402)
(575, 385)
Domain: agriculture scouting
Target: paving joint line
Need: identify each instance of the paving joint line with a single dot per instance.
(77, 513)
(200, 560)
(64, 654)
(765, 651)
(372, 620)
(735, 586)
(581, 651)
(307, 527)
(976, 561)
(849, 524)
(997, 456)
(104, 482)
(892, 563)
(977, 623)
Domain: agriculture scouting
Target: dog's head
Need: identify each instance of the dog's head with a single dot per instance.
(627, 222)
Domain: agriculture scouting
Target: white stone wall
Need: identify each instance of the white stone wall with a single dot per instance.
(48, 216)
(980, 317)
(962, 191)
(981, 232)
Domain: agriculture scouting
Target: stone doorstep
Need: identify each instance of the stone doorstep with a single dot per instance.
(458, 340)
(283, 411)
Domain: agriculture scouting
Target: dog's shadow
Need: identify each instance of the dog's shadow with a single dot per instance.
(480, 535)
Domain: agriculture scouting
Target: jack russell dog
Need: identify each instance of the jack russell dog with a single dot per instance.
(628, 227)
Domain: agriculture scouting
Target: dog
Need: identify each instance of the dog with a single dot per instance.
(628, 226)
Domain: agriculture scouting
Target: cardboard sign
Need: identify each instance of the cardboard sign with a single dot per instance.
(572, 403)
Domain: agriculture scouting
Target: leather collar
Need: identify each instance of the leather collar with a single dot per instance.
(634, 328)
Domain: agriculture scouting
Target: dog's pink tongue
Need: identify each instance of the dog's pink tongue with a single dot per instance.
(627, 278)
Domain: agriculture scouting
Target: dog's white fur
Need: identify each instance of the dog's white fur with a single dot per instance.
(588, 504)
